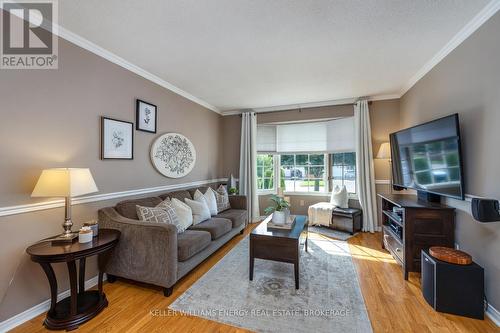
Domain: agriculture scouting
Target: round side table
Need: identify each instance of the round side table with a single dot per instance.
(81, 305)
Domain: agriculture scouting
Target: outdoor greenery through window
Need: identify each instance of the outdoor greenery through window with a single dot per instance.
(306, 173)
(303, 172)
(343, 171)
(265, 172)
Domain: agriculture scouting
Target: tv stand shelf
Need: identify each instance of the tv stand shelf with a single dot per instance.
(424, 224)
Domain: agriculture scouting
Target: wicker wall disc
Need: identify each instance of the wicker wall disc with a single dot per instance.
(450, 255)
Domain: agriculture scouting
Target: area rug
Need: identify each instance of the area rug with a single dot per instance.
(341, 235)
(329, 298)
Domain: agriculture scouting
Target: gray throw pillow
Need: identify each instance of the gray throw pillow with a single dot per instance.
(222, 199)
(163, 213)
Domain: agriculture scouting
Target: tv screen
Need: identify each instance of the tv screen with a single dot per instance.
(428, 158)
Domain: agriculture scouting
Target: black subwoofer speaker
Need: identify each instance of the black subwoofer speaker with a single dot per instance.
(450, 288)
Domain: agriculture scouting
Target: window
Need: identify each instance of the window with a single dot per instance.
(302, 172)
(265, 172)
(343, 171)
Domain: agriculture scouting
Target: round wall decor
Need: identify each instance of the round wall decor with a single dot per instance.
(173, 155)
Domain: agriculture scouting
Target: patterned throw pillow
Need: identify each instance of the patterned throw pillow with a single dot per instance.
(222, 199)
(163, 213)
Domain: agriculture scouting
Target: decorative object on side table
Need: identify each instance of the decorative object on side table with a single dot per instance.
(279, 209)
(85, 235)
(67, 183)
(94, 226)
(233, 191)
(82, 305)
(173, 155)
(146, 116)
(117, 139)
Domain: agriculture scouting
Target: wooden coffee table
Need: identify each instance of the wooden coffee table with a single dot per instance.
(278, 245)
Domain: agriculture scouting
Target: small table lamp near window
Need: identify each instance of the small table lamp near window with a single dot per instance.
(67, 183)
(384, 152)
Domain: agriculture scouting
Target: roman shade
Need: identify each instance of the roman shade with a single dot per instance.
(330, 136)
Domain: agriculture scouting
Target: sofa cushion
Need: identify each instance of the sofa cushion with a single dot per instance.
(181, 195)
(237, 216)
(217, 227)
(191, 242)
(127, 208)
(202, 189)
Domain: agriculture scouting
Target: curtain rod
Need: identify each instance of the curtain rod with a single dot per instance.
(314, 107)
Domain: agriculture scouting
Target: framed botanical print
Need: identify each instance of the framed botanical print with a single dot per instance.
(117, 139)
(145, 119)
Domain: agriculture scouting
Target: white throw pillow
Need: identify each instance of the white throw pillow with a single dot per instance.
(199, 208)
(339, 197)
(209, 197)
(184, 213)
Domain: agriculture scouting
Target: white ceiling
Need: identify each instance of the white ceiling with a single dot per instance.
(240, 54)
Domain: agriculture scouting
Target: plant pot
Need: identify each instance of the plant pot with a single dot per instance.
(280, 217)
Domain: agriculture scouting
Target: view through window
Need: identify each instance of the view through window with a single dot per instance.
(306, 173)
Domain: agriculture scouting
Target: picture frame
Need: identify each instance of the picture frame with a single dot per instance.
(117, 139)
(146, 116)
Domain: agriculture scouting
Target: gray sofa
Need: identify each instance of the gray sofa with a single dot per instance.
(153, 252)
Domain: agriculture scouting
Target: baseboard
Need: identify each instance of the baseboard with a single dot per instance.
(38, 309)
(493, 314)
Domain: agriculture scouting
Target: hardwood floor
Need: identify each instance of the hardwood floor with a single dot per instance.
(394, 305)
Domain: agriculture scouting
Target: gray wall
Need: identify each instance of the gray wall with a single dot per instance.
(467, 82)
(384, 117)
(50, 118)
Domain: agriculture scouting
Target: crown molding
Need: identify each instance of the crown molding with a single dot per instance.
(474, 24)
(289, 107)
(28, 208)
(110, 56)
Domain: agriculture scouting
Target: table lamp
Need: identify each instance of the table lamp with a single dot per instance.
(384, 152)
(67, 183)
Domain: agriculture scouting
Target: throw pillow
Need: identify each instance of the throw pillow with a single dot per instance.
(222, 199)
(209, 199)
(339, 197)
(199, 208)
(163, 214)
(184, 213)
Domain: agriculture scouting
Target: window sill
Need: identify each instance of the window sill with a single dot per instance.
(352, 196)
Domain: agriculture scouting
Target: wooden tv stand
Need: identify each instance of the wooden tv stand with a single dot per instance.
(422, 225)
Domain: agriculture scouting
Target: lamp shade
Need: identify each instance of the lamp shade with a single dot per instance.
(64, 182)
(384, 151)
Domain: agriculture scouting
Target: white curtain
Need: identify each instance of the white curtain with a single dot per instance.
(365, 175)
(248, 164)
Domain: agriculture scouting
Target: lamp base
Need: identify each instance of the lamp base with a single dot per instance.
(64, 239)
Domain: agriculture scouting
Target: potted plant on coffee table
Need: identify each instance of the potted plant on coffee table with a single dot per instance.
(280, 209)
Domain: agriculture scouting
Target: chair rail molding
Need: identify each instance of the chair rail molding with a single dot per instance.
(33, 207)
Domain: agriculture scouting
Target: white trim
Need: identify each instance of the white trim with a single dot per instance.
(28, 208)
(461, 36)
(38, 309)
(382, 182)
(493, 314)
(110, 56)
(289, 107)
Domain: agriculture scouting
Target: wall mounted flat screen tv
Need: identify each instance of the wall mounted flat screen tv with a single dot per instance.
(428, 158)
